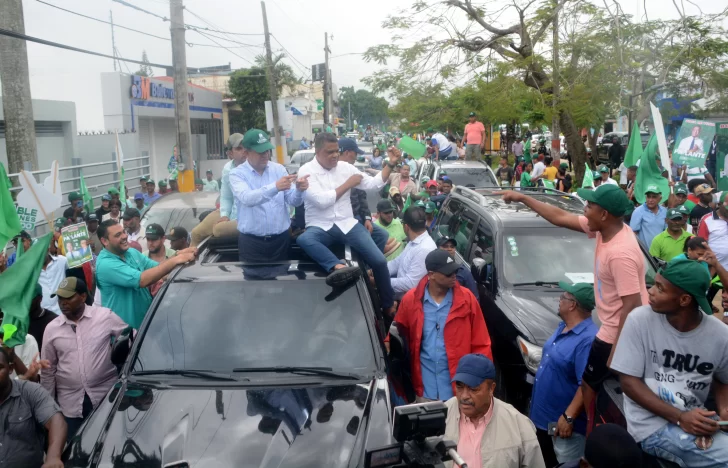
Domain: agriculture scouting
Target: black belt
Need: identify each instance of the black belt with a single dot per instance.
(265, 238)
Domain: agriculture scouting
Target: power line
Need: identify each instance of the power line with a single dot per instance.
(213, 40)
(302, 68)
(6, 32)
(163, 18)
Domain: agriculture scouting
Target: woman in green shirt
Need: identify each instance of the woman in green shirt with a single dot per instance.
(526, 176)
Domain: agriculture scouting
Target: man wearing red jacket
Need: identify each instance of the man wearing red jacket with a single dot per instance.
(441, 322)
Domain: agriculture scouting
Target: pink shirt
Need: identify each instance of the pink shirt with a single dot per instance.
(619, 270)
(471, 435)
(474, 133)
(80, 361)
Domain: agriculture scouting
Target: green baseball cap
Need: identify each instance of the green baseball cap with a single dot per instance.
(610, 197)
(142, 179)
(472, 114)
(430, 130)
(430, 207)
(162, 183)
(564, 166)
(73, 196)
(235, 140)
(683, 210)
(691, 277)
(652, 188)
(198, 181)
(596, 175)
(257, 140)
(425, 179)
(603, 168)
(681, 189)
(583, 292)
(60, 222)
(113, 191)
(150, 181)
(674, 213)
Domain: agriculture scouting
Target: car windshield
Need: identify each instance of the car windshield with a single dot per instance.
(550, 255)
(471, 177)
(220, 326)
(168, 218)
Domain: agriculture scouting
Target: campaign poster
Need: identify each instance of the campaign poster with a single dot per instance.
(693, 143)
(76, 245)
(721, 157)
(28, 217)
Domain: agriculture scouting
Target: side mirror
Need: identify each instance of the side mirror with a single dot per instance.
(121, 348)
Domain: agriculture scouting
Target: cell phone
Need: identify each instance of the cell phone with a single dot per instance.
(552, 428)
(722, 423)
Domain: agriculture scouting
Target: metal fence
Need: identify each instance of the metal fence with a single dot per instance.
(99, 178)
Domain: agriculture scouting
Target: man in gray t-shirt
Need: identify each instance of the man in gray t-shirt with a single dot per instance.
(669, 354)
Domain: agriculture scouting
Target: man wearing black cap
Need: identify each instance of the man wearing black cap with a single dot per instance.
(489, 432)
(464, 276)
(178, 238)
(393, 226)
(155, 242)
(133, 227)
(557, 397)
(77, 346)
(75, 211)
(441, 322)
(210, 183)
(619, 271)
(669, 356)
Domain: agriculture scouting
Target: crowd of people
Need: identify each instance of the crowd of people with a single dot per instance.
(665, 345)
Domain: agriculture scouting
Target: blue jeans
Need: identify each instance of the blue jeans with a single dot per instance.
(380, 236)
(443, 155)
(673, 444)
(315, 242)
(569, 449)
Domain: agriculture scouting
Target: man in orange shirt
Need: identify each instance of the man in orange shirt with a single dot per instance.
(474, 139)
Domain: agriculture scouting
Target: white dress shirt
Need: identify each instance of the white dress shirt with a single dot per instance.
(409, 267)
(323, 210)
(49, 280)
(538, 169)
(141, 237)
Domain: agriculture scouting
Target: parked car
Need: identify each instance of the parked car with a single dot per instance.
(517, 258)
(608, 140)
(245, 365)
(353, 135)
(465, 173)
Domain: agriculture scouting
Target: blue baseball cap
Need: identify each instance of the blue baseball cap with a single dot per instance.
(138, 196)
(347, 144)
(106, 197)
(474, 369)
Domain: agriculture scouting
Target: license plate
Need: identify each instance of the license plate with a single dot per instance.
(529, 378)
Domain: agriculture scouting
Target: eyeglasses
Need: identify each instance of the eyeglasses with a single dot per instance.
(564, 297)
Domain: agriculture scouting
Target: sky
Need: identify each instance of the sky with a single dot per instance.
(299, 25)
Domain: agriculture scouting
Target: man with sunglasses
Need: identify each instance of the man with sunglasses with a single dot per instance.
(264, 192)
(441, 322)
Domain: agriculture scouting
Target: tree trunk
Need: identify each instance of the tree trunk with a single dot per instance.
(574, 144)
(594, 160)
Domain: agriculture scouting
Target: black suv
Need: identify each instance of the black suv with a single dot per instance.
(517, 258)
(239, 365)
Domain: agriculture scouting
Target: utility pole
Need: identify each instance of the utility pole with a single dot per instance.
(17, 104)
(186, 180)
(555, 130)
(327, 78)
(272, 85)
(351, 124)
(113, 41)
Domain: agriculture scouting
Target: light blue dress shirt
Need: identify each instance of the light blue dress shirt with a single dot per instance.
(262, 209)
(647, 224)
(433, 358)
(228, 204)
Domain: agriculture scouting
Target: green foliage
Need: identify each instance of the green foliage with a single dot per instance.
(249, 87)
(366, 107)
(285, 75)
(145, 69)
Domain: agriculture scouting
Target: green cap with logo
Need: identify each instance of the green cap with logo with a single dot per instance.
(60, 222)
(610, 197)
(257, 140)
(430, 207)
(681, 189)
(113, 191)
(73, 196)
(582, 292)
(652, 188)
(472, 114)
(691, 277)
(683, 210)
(162, 183)
(564, 165)
(603, 168)
(596, 175)
(424, 179)
(674, 213)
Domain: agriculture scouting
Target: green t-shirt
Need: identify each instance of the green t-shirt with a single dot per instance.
(395, 230)
(666, 248)
(118, 279)
(526, 180)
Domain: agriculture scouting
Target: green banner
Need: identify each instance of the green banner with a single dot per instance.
(693, 142)
(721, 137)
(76, 240)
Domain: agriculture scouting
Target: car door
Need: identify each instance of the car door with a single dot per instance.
(456, 221)
(481, 258)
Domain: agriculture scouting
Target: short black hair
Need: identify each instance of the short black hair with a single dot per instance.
(694, 242)
(323, 138)
(415, 218)
(548, 160)
(694, 183)
(104, 228)
(633, 168)
(115, 201)
(8, 361)
(447, 181)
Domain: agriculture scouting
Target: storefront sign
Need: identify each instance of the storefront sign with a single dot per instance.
(142, 87)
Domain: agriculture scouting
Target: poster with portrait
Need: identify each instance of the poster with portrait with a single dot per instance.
(76, 244)
(693, 143)
(721, 157)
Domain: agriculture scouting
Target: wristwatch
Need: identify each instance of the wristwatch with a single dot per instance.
(569, 419)
(391, 166)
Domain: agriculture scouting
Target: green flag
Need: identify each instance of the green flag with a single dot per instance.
(88, 201)
(527, 151)
(9, 221)
(17, 290)
(650, 173)
(122, 189)
(412, 147)
(407, 204)
(634, 149)
(588, 180)
(548, 184)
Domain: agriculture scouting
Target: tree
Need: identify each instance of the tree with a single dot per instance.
(366, 107)
(284, 73)
(145, 69)
(249, 87)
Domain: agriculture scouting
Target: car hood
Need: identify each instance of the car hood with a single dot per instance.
(535, 311)
(234, 427)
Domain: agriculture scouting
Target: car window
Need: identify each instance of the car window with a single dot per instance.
(471, 177)
(187, 218)
(456, 222)
(266, 323)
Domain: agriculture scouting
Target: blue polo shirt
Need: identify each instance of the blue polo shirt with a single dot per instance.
(433, 358)
(647, 224)
(559, 374)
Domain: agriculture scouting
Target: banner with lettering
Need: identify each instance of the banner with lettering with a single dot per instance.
(76, 244)
(721, 162)
(693, 143)
(28, 217)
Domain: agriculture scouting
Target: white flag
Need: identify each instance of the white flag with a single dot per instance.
(660, 133)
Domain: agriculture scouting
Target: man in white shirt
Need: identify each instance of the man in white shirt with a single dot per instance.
(538, 168)
(53, 272)
(329, 218)
(443, 147)
(604, 174)
(133, 227)
(209, 183)
(409, 267)
(692, 144)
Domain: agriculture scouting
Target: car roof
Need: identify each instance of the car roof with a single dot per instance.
(461, 164)
(175, 200)
(518, 214)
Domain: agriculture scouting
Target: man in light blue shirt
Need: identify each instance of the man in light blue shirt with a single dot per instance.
(648, 220)
(264, 191)
(433, 357)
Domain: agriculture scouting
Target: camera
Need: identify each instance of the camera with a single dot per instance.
(418, 430)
